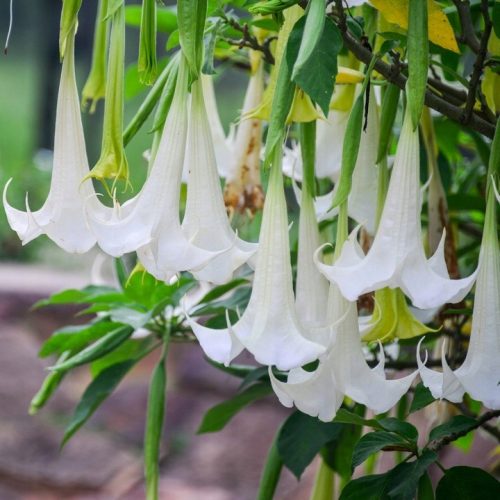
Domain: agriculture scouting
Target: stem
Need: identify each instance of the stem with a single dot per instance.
(307, 138)
(324, 484)
(271, 472)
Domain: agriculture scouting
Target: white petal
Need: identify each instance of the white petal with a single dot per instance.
(353, 375)
(313, 393)
(219, 345)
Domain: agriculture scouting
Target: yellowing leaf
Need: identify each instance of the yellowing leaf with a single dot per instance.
(440, 30)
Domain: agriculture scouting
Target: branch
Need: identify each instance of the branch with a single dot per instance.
(437, 444)
(393, 74)
(468, 34)
(478, 64)
(490, 429)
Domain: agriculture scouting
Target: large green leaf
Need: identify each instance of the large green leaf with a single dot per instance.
(166, 18)
(98, 390)
(467, 483)
(301, 439)
(316, 74)
(458, 424)
(374, 442)
(217, 417)
(399, 483)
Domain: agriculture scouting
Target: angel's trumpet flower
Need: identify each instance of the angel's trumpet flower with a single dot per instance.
(479, 374)
(269, 327)
(243, 189)
(342, 371)
(205, 221)
(149, 223)
(62, 217)
(397, 258)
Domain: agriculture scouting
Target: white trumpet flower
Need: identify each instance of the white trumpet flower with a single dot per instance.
(205, 221)
(362, 205)
(342, 371)
(224, 150)
(62, 217)
(149, 223)
(269, 327)
(397, 258)
(479, 374)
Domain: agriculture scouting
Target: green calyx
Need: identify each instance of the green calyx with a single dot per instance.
(95, 86)
(112, 163)
(392, 318)
(69, 20)
(146, 63)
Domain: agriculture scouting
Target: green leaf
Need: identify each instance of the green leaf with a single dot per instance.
(98, 390)
(338, 452)
(49, 385)
(316, 75)
(72, 296)
(129, 316)
(301, 438)
(425, 490)
(346, 417)
(98, 349)
(154, 428)
(399, 483)
(373, 442)
(496, 18)
(75, 338)
(467, 483)
(210, 40)
(458, 424)
(258, 374)
(404, 429)
(418, 58)
(421, 398)
(191, 16)
(217, 417)
(221, 290)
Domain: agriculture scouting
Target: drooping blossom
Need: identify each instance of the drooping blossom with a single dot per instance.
(61, 217)
(269, 327)
(479, 375)
(397, 257)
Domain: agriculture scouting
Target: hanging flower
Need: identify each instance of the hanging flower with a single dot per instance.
(479, 374)
(205, 221)
(269, 327)
(342, 371)
(397, 258)
(149, 223)
(61, 217)
(243, 190)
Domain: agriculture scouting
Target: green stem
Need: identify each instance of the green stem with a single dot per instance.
(271, 472)
(342, 230)
(324, 484)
